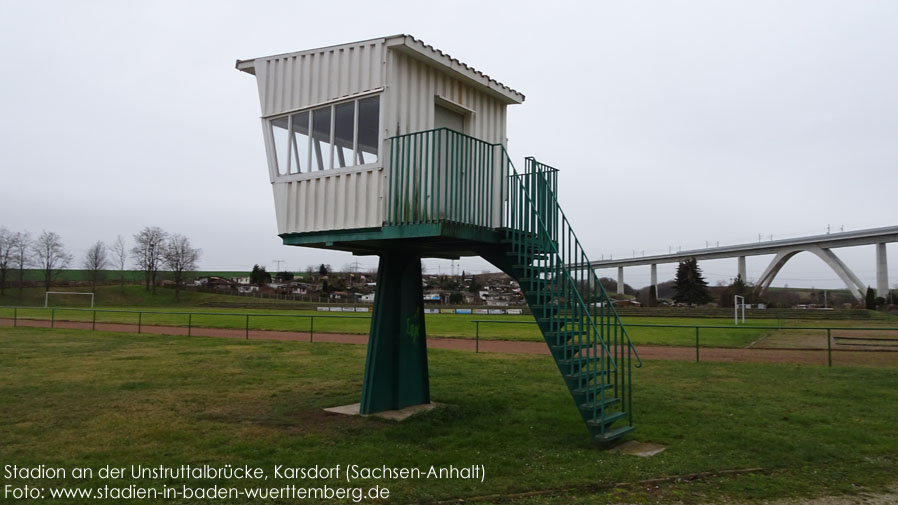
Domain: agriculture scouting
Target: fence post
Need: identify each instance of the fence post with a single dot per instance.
(696, 344)
(52, 317)
(93, 323)
(476, 336)
(15, 317)
(139, 320)
(312, 329)
(189, 323)
(829, 346)
(247, 326)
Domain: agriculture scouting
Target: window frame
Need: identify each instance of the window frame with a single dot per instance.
(330, 158)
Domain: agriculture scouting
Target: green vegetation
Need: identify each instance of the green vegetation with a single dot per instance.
(136, 298)
(690, 286)
(92, 399)
(75, 275)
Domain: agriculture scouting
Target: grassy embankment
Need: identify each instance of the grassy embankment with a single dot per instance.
(78, 398)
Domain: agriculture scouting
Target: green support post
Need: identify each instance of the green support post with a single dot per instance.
(396, 367)
(52, 317)
(189, 323)
(829, 346)
(312, 330)
(139, 321)
(15, 317)
(696, 344)
(477, 336)
(93, 322)
(247, 326)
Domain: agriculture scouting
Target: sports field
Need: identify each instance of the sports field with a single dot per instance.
(97, 398)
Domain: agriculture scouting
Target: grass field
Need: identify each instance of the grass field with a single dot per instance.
(135, 298)
(91, 399)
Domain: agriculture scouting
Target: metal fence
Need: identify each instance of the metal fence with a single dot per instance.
(880, 341)
(189, 316)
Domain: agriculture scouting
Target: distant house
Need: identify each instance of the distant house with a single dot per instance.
(300, 288)
(248, 289)
(214, 283)
(369, 298)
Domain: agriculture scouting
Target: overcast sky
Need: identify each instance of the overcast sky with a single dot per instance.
(673, 122)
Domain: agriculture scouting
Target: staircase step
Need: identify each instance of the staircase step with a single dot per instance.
(569, 350)
(607, 402)
(590, 391)
(580, 361)
(611, 435)
(608, 420)
(586, 376)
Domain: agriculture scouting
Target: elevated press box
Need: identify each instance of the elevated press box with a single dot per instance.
(387, 132)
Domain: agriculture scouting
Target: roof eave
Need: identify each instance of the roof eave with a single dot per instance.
(418, 49)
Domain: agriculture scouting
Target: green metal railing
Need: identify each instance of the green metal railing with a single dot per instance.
(576, 310)
(190, 323)
(442, 175)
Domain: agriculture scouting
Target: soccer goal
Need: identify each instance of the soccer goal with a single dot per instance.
(66, 293)
(738, 301)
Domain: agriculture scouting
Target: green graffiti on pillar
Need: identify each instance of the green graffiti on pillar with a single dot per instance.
(412, 328)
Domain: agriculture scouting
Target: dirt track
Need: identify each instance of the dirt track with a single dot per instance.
(753, 355)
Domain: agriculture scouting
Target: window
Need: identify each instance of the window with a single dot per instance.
(335, 136)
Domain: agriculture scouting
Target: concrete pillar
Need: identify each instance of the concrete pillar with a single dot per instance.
(654, 275)
(620, 280)
(882, 271)
(741, 262)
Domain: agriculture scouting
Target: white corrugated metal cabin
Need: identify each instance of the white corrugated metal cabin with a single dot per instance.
(384, 132)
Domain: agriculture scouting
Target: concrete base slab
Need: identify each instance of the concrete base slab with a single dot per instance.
(393, 415)
(640, 449)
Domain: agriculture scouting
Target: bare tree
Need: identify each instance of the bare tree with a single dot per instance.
(50, 256)
(5, 256)
(95, 263)
(120, 256)
(20, 245)
(180, 258)
(149, 246)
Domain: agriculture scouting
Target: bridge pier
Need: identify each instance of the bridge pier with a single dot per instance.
(654, 281)
(620, 280)
(882, 271)
(741, 268)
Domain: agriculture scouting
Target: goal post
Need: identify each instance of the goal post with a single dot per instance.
(738, 301)
(48, 293)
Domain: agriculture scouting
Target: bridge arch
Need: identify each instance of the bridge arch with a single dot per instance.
(852, 282)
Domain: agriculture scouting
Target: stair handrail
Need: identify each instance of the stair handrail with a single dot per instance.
(513, 173)
(578, 246)
(566, 271)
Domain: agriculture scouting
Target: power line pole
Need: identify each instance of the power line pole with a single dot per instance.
(279, 265)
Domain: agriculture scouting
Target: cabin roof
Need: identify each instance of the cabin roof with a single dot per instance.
(415, 48)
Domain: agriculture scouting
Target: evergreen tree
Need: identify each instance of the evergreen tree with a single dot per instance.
(259, 276)
(870, 299)
(689, 285)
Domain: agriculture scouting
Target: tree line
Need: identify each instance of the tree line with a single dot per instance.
(154, 249)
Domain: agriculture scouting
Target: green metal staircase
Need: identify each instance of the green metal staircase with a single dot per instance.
(590, 345)
(444, 178)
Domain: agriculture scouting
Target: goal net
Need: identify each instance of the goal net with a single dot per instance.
(67, 298)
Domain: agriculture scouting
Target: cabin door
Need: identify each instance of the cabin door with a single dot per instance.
(447, 169)
(445, 118)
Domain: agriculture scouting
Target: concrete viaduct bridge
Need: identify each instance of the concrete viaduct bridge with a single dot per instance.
(784, 250)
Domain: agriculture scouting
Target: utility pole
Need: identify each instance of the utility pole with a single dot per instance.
(278, 265)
